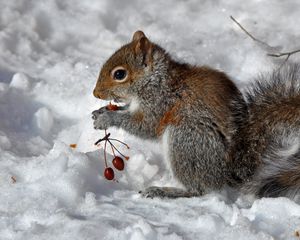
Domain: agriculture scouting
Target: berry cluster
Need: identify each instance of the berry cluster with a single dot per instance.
(117, 161)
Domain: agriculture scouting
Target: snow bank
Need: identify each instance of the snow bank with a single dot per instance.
(51, 52)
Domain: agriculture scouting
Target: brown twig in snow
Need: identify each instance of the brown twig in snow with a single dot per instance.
(249, 34)
(13, 178)
(287, 54)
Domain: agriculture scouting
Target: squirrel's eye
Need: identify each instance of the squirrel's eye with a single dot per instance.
(119, 74)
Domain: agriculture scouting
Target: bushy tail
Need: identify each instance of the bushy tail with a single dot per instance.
(277, 98)
(280, 85)
(279, 172)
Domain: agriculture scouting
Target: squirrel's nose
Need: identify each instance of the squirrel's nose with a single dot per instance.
(100, 94)
(95, 93)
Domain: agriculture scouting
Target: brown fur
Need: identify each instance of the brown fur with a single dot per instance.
(138, 117)
(213, 87)
(171, 117)
(290, 178)
(104, 89)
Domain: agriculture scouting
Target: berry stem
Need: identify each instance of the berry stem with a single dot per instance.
(116, 148)
(105, 160)
(113, 139)
(104, 138)
(112, 149)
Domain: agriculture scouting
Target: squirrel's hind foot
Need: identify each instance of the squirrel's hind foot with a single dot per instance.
(168, 192)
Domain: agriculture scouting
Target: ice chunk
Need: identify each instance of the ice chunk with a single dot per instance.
(43, 120)
(4, 141)
(20, 81)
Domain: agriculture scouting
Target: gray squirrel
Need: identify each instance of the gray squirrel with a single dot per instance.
(214, 137)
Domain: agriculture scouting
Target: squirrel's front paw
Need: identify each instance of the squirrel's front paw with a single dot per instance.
(102, 120)
(96, 113)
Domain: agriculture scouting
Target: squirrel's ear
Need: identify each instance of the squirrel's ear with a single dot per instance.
(138, 35)
(142, 46)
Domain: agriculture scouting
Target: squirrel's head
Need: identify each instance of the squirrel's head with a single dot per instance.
(129, 64)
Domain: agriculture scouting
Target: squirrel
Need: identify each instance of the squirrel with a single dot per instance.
(212, 135)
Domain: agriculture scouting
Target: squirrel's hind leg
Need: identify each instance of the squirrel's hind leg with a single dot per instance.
(168, 192)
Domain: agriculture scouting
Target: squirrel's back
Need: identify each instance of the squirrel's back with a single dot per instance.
(205, 93)
(266, 154)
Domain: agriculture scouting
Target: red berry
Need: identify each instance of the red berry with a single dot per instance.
(112, 107)
(109, 173)
(118, 163)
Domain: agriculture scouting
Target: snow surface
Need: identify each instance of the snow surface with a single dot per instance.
(51, 53)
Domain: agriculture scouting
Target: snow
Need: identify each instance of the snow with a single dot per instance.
(20, 81)
(51, 53)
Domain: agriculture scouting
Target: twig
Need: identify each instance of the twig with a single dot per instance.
(287, 54)
(102, 139)
(249, 34)
(13, 178)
